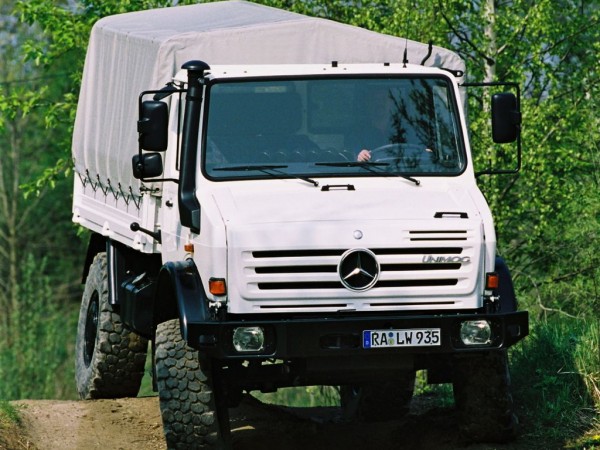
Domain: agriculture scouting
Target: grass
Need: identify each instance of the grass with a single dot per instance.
(442, 393)
(590, 441)
(556, 376)
(146, 389)
(302, 397)
(9, 415)
(9, 421)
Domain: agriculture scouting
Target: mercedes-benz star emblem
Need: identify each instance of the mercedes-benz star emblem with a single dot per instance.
(358, 269)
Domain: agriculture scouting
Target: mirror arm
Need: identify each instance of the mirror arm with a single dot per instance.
(143, 125)
(509, 171)
(516, 120)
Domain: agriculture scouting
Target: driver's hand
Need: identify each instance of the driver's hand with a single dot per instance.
(364, 155)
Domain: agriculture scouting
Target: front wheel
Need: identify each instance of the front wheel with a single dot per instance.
(483, 398)
(193, 417)
(109, 359)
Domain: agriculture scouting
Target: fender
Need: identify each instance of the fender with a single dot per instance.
(508, 298)
(180, 294)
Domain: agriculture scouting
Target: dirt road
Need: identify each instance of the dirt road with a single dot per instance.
(134, 424)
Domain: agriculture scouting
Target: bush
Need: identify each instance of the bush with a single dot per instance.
(36, 341)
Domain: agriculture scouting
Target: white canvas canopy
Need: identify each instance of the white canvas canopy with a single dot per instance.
(133, 52)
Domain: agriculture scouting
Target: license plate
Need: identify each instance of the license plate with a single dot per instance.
(417, 337)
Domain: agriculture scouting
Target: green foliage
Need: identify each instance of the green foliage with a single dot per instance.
(547, 216)
(39, 225)
(36, 340)
(587, 359)
(9, 415)
(419, 22)
(67, 26)
(10, 422)
(563, 276)
(18, 104)
(59, 50)
(441, 395)
(302, 397)
(146, 388)
(556, 378)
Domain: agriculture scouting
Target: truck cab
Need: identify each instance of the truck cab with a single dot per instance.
(341, 270)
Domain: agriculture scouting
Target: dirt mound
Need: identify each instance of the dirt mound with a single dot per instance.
(132, 424)
(135, 424)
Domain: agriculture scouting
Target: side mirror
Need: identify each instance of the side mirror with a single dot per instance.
(153, 126)
(506, 118)
(147, 165)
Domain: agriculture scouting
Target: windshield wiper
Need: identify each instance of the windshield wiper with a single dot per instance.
(371, 167)
(259, 167)
(268, 169)
(351, 164)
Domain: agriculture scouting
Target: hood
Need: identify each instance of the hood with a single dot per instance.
(290, 201)
(286, 240)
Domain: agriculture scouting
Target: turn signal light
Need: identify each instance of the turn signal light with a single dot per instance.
(217, 286)
(492, 281)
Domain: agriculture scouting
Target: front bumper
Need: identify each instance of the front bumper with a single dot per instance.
(305, 338)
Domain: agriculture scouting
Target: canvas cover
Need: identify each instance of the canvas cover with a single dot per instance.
(133, 52)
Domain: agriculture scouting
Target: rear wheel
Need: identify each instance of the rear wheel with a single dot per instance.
(109, 359)
(193, 417)
(483, 399)
(378, 402)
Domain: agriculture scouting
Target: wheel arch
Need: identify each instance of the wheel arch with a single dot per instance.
(508, 297)
(180, 294)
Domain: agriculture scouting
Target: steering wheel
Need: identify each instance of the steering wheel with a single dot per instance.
(409, 154)
(386, 153)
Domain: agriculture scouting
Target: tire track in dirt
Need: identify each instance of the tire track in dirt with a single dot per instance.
(135, 424)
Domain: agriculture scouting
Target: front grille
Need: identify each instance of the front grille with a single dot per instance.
(429, 236)
(261, 254)
(401, 267)
(336, 285)
(425, 268)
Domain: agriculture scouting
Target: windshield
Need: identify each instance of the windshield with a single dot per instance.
(332, 127)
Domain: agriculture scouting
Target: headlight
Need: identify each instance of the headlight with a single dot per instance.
(249, 339)
(476, 332)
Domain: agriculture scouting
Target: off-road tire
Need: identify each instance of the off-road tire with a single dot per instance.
(187, 396)
(378, 402)
(109, 359)
(483, 398)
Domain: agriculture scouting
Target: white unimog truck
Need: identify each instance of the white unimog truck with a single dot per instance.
(277, 200)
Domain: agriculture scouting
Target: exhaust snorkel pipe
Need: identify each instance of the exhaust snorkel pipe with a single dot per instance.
(189, 208)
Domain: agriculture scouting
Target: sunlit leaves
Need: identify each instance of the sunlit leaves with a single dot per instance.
(67, 28)
(18, 104)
